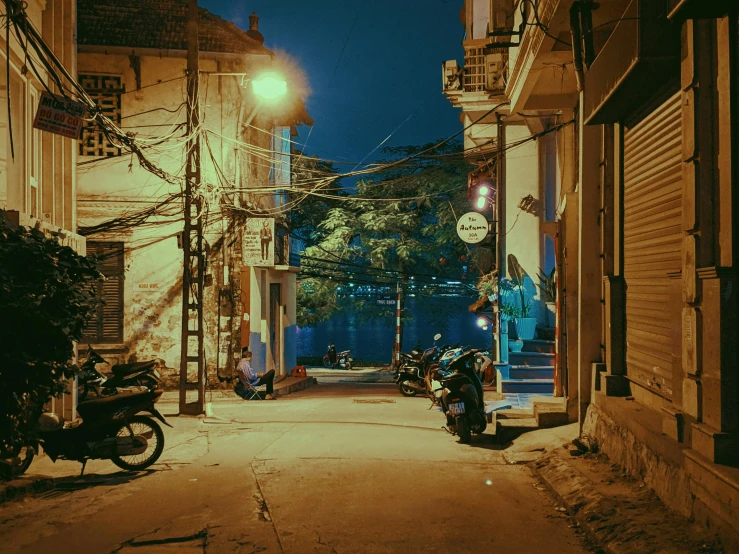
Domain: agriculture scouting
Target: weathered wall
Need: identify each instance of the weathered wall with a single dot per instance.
(630, 435)
(110, 187)
(523, 238)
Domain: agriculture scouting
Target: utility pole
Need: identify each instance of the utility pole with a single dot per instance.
(499, 207)
(193, 270)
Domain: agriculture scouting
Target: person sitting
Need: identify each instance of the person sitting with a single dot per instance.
(246, 374)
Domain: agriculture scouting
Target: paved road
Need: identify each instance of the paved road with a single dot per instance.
(335, 468)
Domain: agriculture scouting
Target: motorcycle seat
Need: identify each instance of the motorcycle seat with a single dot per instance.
(89, 408)
(126, 369)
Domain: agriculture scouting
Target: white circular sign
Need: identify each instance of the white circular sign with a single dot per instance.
(472, 227)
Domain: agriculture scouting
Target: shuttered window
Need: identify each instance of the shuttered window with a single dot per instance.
(107, 325)
(652, 243)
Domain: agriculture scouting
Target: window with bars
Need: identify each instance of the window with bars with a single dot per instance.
(106, 91)
(107, 324)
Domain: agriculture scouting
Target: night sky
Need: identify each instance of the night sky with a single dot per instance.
(389, 70)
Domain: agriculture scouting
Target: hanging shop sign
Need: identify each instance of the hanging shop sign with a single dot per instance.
(258, 245)
(59, 115)
(472, 227)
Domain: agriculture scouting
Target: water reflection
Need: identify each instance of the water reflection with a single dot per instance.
(373, 340)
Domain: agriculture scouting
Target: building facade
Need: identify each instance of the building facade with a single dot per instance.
(132, 60)
(38, 186)
(646, 232)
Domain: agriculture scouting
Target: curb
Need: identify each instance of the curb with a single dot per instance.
(607, 520)
(17, 489)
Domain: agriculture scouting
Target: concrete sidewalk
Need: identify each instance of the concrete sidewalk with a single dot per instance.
(354, 375)
(283, 387)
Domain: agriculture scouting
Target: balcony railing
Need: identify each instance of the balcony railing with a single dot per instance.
(485, 68)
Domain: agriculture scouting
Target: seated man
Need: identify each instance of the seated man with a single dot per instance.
(246, 374)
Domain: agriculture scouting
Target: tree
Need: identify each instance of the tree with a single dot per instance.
(45, 301)
(399, 224)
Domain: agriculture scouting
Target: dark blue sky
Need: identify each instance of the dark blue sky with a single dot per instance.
(390, 68)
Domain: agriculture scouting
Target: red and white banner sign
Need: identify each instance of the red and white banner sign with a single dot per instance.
(59, 115)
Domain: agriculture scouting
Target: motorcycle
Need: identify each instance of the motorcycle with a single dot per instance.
(461, 398)
(111, 429)
(123, 375)
(410, 376)
(343, 360)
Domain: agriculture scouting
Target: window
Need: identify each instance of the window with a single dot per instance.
(106, 91)
(34, 191)
(13, 160)
(107, 324)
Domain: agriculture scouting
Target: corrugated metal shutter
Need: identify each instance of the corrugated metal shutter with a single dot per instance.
(107, 325)
(652, 242)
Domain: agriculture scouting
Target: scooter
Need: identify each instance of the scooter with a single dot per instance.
(462, 398)
(410, 376)
(112, 428)
(343, 360)
(123, 375)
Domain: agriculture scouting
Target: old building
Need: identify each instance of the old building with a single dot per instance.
(38, 184)
(132, 60)
(646, 230)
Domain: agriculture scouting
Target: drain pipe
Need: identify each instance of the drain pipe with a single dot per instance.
(577, 44)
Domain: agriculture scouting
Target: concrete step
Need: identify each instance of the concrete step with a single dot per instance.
(538, 345)
(531, 358)
(531, 372)
(545, 333)
(526, 385)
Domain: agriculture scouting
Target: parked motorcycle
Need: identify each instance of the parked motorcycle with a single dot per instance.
(462, 398)
(112, 428)
(123, 375)
(343, 360)
(410, 376)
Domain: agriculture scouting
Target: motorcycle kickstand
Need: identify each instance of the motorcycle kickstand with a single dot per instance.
(84, 463)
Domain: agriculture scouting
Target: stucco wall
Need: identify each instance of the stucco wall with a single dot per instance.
(111, 187)
(523, 235)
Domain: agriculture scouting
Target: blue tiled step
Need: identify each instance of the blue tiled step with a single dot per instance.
(531, 372)
(539, 386)
(539, 345)
(531, 358)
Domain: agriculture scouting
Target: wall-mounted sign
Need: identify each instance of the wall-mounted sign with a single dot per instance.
(472, 227)
(258, 245)
(59, 115)
(147, 287)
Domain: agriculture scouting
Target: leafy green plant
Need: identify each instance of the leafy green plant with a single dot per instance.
(45, 301)
(547, 285)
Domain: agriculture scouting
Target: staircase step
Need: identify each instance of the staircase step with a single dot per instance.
(531, 358)
(531, 372)
(538, 345)
(526, 385)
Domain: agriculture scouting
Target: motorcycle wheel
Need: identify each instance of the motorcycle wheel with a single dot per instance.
(406, 390)
(327, 362)
(463, 430)
(82, 392)
(14, 464)
(151, 431)
(348, 365)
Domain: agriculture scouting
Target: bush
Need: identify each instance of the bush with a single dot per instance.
(45, 300)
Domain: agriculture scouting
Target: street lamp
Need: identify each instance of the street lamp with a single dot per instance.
(269, 86)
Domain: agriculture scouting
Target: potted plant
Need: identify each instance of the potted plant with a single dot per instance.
(548, 287)
(524, 323)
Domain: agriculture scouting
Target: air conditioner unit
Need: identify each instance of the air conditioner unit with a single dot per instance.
(495, 65)
(450, 75)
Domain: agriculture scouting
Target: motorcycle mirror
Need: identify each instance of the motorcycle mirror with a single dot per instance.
(437, 336)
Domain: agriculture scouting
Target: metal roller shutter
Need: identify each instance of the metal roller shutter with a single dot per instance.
(652, 242)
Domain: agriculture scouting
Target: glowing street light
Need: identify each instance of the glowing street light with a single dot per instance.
(269, 86)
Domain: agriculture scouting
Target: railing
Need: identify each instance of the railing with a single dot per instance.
(485, 68)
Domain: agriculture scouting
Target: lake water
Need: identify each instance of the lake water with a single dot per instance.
(373, 340)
